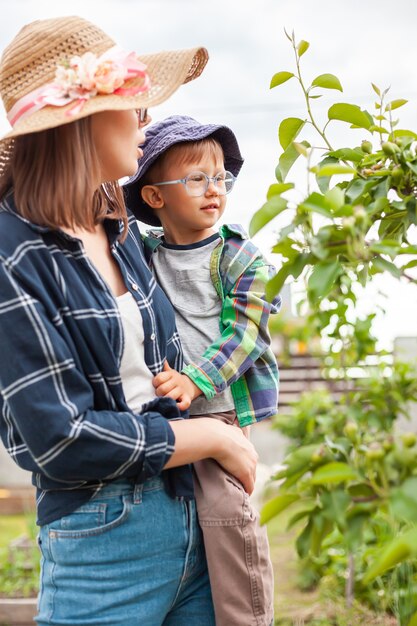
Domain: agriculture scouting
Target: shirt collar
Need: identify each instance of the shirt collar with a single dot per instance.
(155, 237)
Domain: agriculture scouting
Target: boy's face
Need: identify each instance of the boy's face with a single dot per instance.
(185, 218)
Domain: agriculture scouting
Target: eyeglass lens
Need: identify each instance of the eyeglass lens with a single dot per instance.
(197, 183)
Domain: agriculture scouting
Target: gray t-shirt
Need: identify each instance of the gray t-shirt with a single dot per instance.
(184, 274)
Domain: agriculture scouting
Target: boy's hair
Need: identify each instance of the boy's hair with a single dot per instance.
(183, 152)
(53, 174)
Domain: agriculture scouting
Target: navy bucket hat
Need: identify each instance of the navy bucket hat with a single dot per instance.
(161, 136)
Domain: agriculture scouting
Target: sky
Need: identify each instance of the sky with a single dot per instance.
(360, 42)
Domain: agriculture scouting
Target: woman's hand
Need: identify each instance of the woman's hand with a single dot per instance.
(239, 456)
(177, 386)
(203, 437)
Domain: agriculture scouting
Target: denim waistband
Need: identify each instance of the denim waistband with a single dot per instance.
(124, 486)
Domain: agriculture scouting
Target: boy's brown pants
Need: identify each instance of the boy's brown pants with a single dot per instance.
(236, 545)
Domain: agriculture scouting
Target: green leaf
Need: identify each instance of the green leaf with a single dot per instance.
(322, 278)
(301, 149)
(378, 129)
(280, 78)
(322, 527)
(336, 168)
(288, 130)
(353, 533)
(277, 505)
(413, 620)
(299, 263)
(266, 213)
(287, 248)
(395, 104)
(358, 188)
(350, 113)
(386, 266)
(404, 133)
(335, 504)
(323, 182)
(361, 490)
(328, 81)
(404, 500)
(310, 505)
(409, 265)
(376, 89)
(278, 188)
(347, 154)
(316, 203)
(275, 284)
(398, 550)
(386, 246)
(288, 158)
(300, 459)
(333, 473)
(303, 541)
(302, 47)
(335, 198)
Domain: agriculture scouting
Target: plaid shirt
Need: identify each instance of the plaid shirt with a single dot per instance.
(63, 414)
(241, 357)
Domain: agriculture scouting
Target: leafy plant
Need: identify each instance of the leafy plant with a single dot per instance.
(350, 478)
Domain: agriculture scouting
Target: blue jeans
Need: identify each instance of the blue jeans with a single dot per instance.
(131, 556)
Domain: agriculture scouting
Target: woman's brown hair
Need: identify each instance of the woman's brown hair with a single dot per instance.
(53, 174)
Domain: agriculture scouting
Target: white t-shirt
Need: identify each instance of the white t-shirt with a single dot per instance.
(136, 376)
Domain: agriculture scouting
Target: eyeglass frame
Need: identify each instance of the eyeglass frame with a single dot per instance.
(142, 115)
(209, 179)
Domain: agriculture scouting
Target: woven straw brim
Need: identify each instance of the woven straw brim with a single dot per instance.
(167, 71)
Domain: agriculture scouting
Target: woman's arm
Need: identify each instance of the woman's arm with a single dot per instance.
(200, 438)
(48, 407)
(49, 410)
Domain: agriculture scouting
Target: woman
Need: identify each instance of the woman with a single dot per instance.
(85, 329)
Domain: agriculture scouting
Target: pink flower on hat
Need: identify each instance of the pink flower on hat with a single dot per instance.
(84, 68)
(109, 76)
(86, 76)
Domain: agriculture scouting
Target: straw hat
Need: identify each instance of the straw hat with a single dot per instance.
(42, 86)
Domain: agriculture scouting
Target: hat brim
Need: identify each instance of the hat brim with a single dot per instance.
(167, 71)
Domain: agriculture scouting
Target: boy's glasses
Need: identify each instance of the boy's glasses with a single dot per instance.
(197, 183)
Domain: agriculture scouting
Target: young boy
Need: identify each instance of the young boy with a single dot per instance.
(216, 282)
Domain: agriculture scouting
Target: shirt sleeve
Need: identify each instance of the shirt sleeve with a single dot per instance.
(245, 335)
(48, 400)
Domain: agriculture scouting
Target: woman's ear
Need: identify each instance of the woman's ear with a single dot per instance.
(151, 194)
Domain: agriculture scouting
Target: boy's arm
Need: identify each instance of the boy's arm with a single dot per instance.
(245, 336)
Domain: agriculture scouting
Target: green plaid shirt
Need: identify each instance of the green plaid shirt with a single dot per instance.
(241, 357)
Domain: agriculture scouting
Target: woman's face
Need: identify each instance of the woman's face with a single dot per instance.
(117, 135)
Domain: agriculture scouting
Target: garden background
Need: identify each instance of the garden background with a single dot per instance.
(359, 44)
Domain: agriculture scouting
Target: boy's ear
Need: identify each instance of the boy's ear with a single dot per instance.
(151, 194)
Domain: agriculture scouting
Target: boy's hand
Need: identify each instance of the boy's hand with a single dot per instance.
(177, 386)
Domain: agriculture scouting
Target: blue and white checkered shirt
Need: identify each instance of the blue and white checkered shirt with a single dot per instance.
(64, 416)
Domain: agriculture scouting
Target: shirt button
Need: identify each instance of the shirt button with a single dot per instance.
(153, 337)
(134, 286)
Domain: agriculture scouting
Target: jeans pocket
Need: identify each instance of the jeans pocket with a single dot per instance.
(92, 518)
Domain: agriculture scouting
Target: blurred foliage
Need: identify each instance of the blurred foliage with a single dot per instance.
(19, 568)
(349, 475)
